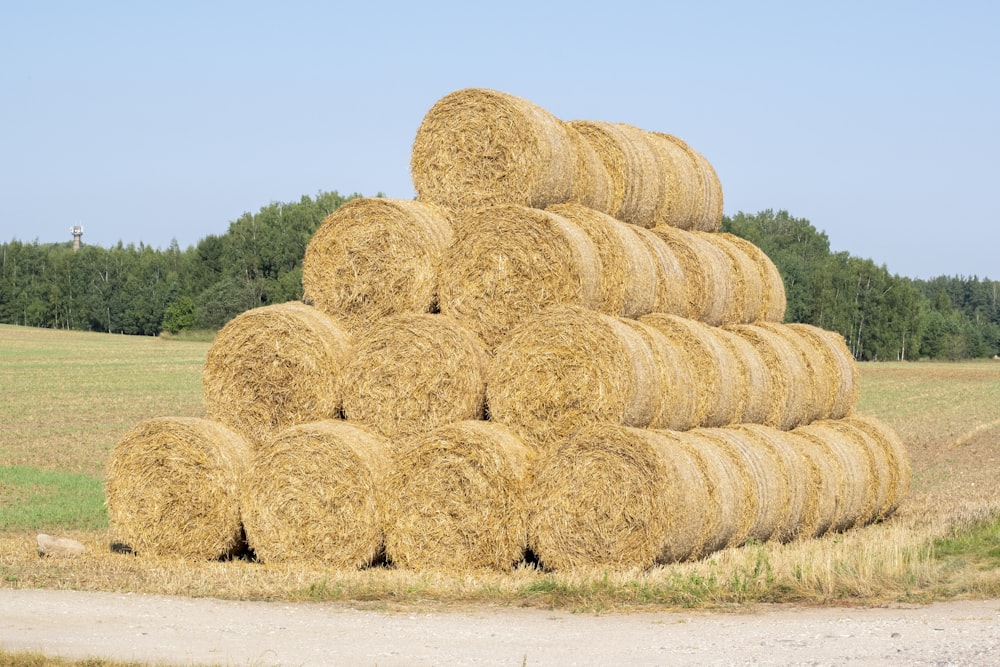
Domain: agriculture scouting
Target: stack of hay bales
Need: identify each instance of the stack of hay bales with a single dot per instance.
(552, 350)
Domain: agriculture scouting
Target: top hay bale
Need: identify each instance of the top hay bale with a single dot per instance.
(374, 257)
(275, 366)
(478, 147)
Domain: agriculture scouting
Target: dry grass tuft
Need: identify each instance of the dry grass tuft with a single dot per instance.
(313, 493)
(414, 372)
(173, 487)
(456, 499)
(275, 366)
(376, 257)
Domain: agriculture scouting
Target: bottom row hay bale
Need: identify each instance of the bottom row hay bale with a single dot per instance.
(456, 499)
(314, 493)
(792, 480)
(173, 488)
(897, 459)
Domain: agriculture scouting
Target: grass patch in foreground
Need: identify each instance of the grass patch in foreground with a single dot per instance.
(976, 545)
(29, 659)
(36, 499)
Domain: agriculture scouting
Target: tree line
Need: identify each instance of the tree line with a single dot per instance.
(258, 261)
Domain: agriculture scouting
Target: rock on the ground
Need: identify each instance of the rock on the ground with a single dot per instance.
(58, 547)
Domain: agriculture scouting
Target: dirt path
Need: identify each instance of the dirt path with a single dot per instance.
(205, 631)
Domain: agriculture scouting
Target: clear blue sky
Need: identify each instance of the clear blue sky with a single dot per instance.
(142, 121)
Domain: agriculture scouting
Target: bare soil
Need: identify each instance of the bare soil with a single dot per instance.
(191, 631)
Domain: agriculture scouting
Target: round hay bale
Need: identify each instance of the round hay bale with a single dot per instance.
(813, 377)
(706, 270)
(456, 499)
(677, 404)
(414, 372)
(632, 166)
(767, 475)
(707, 216)
(680, 202)
(568, 365)
(745, 510)
(275, 366)
(790, 474)
(840, 366)
(376, 257)
(747, 296)
(613, 496)
(511, 261)
(789, 394)
(629, 278)
(313, 493)
(725, 489)
(854, 496)
(822, 481)
(592, 187)
(479, 147)
(712, 363)
(898, 473)
(752, 383)
(671, 289)
(773, 301)
(172, 488)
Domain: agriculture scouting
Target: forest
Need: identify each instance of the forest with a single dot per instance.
(140, 290)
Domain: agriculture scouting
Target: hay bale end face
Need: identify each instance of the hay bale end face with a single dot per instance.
(511, 261)
(313, 493)
(173, 488)
(275, 366)
(479, 147)
(569, 365)
(376, 257)
(412, 373)
(456, 499)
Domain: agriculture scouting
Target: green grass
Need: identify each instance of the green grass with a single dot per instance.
(35, 499)
(977, 546)
(31, 659)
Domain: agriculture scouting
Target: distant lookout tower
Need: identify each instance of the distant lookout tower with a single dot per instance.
(77, 235)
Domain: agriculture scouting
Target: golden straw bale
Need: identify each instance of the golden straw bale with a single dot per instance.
(844, 385)
(822, 481)
(899, 474)
(713, 364)
(791, 476)
(677, 404)
(172, 487)
(725, 487)
(275, 366)
(789, 393)
(632, 166)
(707, 216)
(375, 257)
(854, 491)
(613, 496)
(592, 187)
(411, 373)
(680, 202)
(511, 261)
(478, 147)
(752, 380)
(706, 270)
(773, 302)
(629, 278)
(313, 493)
(813, 374)
(746, 513)
(672, 289)
(457, 499)
(746, 294)
(871, 461)
(567, 365)
(767, 475)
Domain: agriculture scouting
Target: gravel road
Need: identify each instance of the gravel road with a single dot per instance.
(189, 631)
